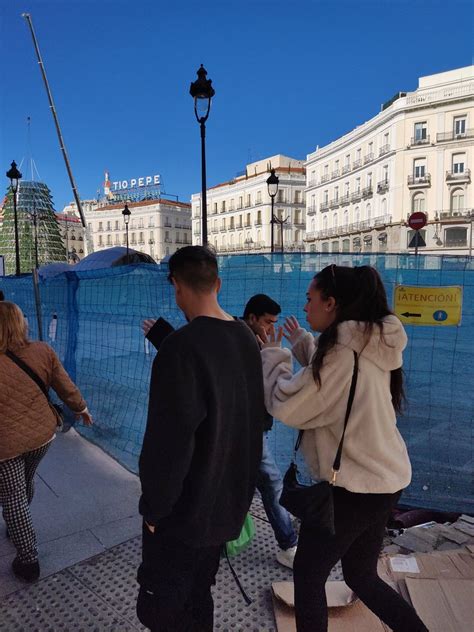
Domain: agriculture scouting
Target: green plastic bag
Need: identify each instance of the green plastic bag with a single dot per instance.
(246, 535)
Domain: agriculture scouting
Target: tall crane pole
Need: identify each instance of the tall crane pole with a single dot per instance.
(62, 146)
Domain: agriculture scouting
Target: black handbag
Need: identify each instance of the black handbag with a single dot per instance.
(56, 409)
(313, 504)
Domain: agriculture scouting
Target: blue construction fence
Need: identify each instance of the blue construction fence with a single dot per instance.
(93, 321)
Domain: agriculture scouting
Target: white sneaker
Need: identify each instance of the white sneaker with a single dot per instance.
(287, 557)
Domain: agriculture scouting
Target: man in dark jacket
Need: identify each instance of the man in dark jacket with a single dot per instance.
(261, 313)
(201, 449)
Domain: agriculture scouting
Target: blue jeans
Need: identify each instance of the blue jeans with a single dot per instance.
(270, 485)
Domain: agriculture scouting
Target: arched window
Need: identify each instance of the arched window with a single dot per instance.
(223, 241)
(297, 236)
(313, 225)
(325, 222)
(383, 206)
(259, 236)
(240, 239)
(346, 218)
(231, 239)
(457, 200)
(357, 214)
(418, 202)
(334, 220)
(368, 212)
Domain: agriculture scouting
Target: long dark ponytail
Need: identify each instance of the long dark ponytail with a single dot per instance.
(360, 295)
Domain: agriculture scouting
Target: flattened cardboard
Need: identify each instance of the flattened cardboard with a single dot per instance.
(353, 618)
(338, 593)
(444, 605)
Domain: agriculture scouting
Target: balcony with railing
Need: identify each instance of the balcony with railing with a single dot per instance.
(311, 210)
(415, 141)
(368, 158)
(257, 222)
(356, 164)
(458, 176)
(223, 229)
(356, 196)
(447, 136)
(382, 186)
(311, 235)
(450, 214)
(312, 182)
(384, 150)
(345, 199)
(382, 220)
(335, 174)
(324, 178)
(334, 203)
(324, 206)
(419, 181)
(345, 169)
(367, 192)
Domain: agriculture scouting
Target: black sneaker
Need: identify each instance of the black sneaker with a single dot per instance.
(27, 571)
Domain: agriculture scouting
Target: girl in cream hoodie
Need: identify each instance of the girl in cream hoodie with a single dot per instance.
(349, 307)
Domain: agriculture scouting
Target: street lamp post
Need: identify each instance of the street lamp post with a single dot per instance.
(272, 185)
(14, 175)
(126, 218)
(277, 220)
(202, 92)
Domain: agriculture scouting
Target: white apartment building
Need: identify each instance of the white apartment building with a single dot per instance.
(415, 155)
(156, 227)
(72, 233)
(239, 211)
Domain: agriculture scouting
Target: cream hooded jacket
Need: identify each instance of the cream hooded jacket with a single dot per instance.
(374, 457)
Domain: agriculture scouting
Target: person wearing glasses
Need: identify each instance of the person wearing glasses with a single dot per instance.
(348, 306)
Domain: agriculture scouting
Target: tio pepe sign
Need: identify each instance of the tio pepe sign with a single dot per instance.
(121, 185)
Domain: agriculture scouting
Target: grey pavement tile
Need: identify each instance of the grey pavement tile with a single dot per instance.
(60, 603)
(113, 533)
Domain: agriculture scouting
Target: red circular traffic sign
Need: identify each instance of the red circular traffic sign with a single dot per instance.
(417, 220)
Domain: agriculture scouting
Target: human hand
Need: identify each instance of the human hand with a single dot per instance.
(291, 325)
(270, 339)
(86, 417)
(147, 324)
(150, 527)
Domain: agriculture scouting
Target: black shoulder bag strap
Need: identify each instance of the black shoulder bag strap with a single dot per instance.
(29, 371)
(337, 461)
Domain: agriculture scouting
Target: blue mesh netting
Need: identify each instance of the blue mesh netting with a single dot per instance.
(98, 337)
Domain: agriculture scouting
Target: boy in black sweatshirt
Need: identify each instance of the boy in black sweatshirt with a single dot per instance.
(201, 449)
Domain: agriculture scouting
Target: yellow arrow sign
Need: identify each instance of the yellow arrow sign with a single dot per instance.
(428, 305)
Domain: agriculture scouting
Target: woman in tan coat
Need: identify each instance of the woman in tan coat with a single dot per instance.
(27, 427)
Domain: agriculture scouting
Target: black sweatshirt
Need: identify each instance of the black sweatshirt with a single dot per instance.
(203, 441)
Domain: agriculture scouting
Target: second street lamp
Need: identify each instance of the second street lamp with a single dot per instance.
(126, 218)
(202, 92)
(14, 175)
(272, 185)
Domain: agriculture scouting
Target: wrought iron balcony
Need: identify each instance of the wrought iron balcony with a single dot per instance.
(311, 210)
(382, 220)
(419, 181)
(449, 214)
(447, 136)
(324, 206)
(419, 141)
(384, 150)
(463, 176)
(334, 203)
(345, 199)
(356, 196)
(356, 164)
(346, 169)
(335, 174)
(382, 186)
(367, 192)
(368, 158)
(325, 177)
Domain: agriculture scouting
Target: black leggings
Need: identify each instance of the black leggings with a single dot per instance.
(360, 521)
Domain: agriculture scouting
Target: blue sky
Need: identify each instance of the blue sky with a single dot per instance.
(288, 76)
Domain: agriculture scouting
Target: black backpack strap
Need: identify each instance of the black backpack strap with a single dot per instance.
(29, 371)
(337, 461)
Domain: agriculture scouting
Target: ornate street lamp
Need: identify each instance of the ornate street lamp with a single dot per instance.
(126, 218)
(14, 175)
(272, 185)
(202, 92)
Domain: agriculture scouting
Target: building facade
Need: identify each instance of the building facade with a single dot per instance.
(157, 227)
(415, 155)
(239, 211)
(72, 234)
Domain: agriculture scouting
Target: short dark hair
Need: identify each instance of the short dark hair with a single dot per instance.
(261, 304)
(195, 266)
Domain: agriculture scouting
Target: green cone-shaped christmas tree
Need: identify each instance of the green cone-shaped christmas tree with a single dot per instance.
(33, 199)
